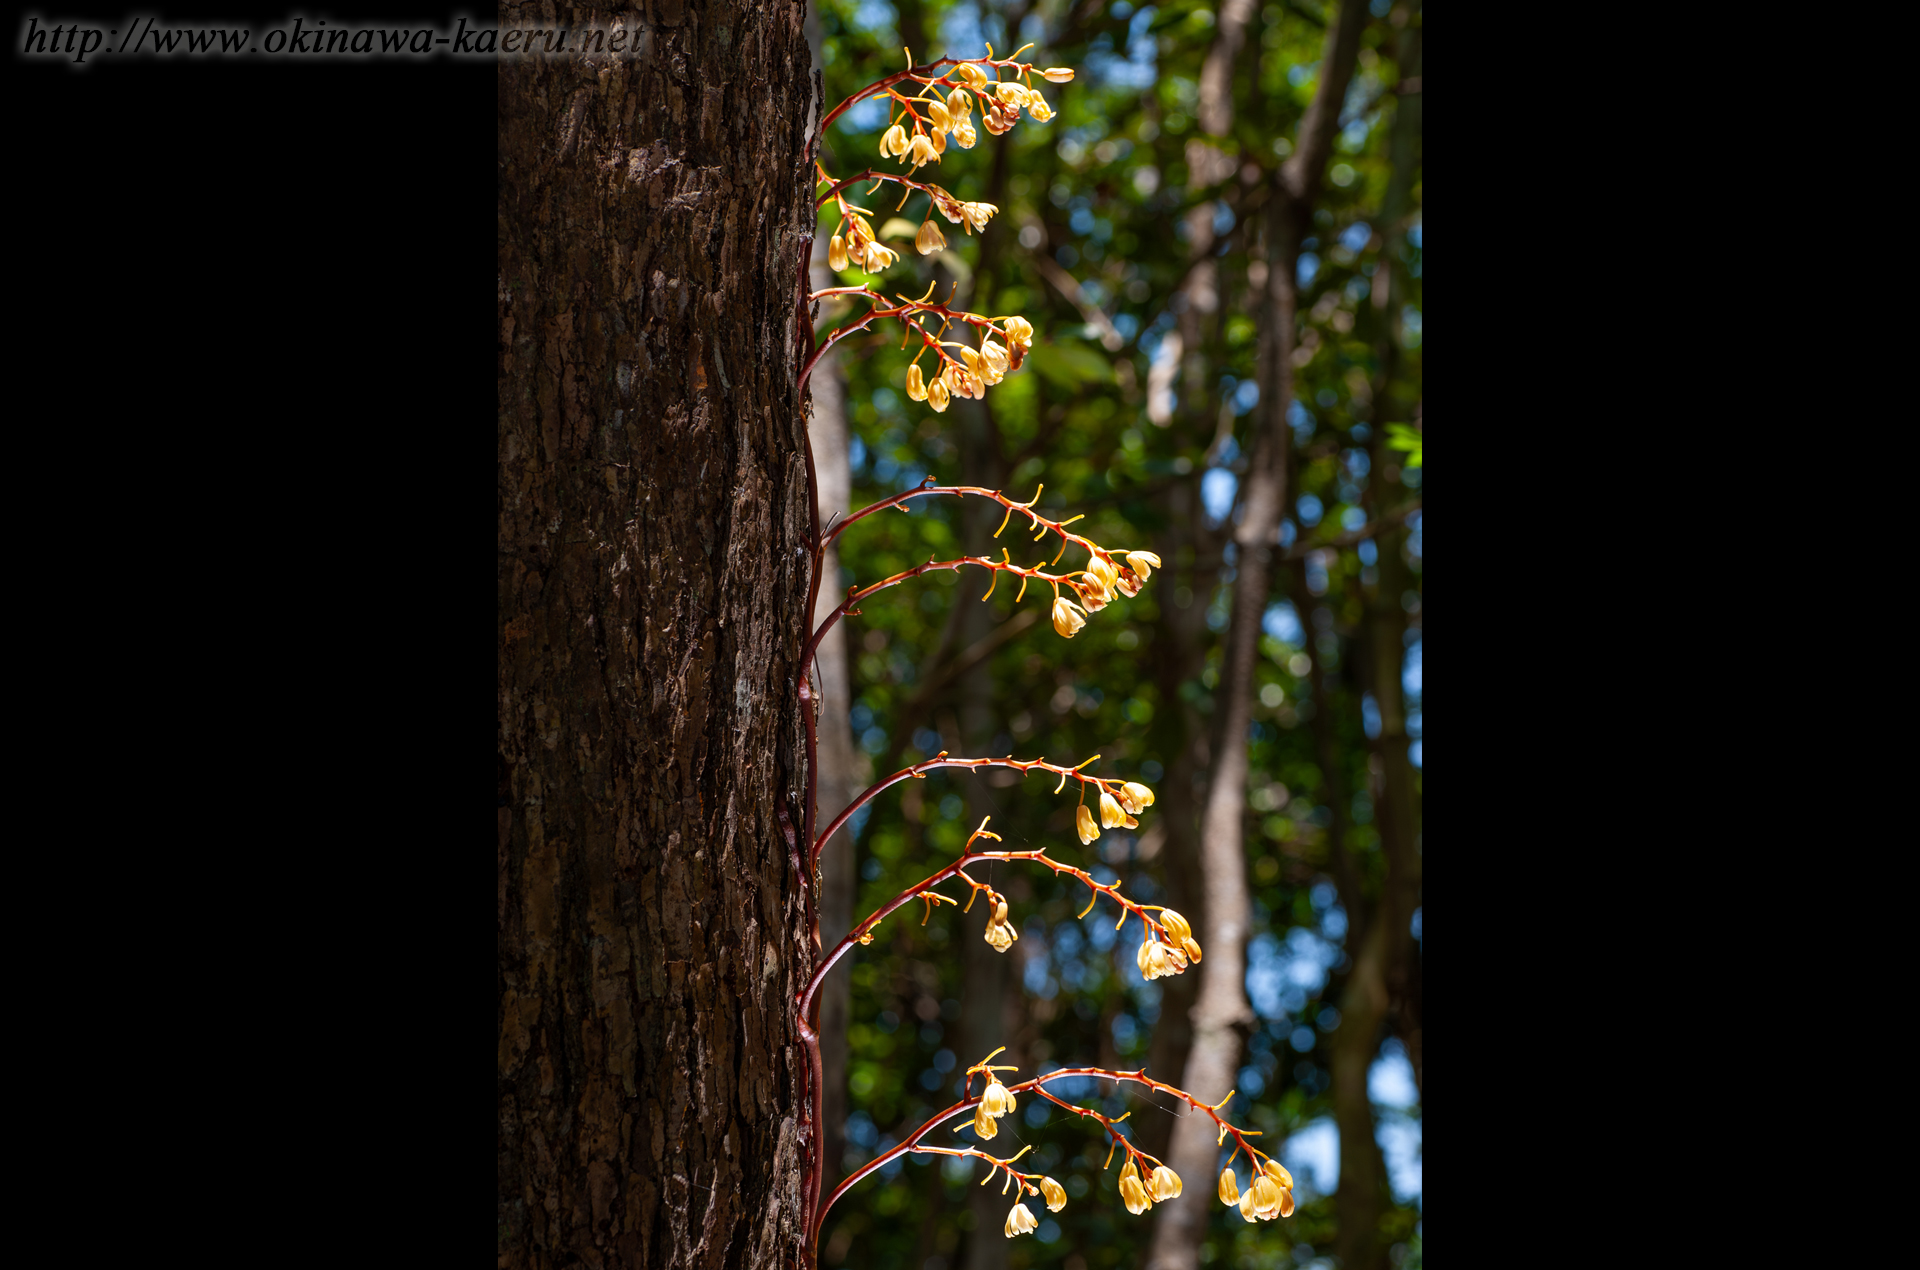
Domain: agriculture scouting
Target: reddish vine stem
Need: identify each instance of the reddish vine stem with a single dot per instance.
(1111, 891)
(808, 1026)
(925, 74)
(1140, 1077)
(941, 760)
(871, 174)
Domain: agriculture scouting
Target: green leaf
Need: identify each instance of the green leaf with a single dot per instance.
(1401, 437)
(1067, 366)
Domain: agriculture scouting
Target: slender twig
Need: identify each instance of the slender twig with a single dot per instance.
(920, 769)
(913, 1143)
(863, 931)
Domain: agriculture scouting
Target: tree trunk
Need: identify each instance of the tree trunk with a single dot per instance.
(1222, 1009)
(654, 518)
(1398, 801)
(1381, 942)
(837, 785)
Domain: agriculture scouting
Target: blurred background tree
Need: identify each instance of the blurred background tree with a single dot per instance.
(1213, 323)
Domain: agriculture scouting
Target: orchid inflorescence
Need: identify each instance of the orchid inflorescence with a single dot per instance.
(966, 372)
(1144, 1179)
(942, 107)
(935, 115)
(1102, 581)
(929, 104)
(1167, 945)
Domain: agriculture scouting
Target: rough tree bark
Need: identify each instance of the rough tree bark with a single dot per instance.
(654, 215)
(1221, 1010)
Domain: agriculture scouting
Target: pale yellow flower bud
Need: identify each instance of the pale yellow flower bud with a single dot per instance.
(938, 396)
(879, 259)
(983, 1124)
(1110, 813)
(1176, 925)
(1143, 563)
(942, 118)
(1136, 798)
(950, 207)
(1165, 1184)
(1020, 1222)
(1059, 74)
(1281, 1178)
(916, 383)
(1158, 961)
(1011, 93)
(997, 1100)
(1132, 1192)
(977, 214)
(1229, 1187)
(971, 75)
(1038, 108)
(1020, 331)
(929, 240)
(959, 106)
(1082, 818)
(1286, 1203)
(1000, 120)
(1055, 1194)
(893, 142)
(1103, 568)
(836, 253)
(995, 355)
(1096, 596)
(1246, 1206)
(1128, 583)
(1266, 1197)
(922, 151)
(971, 358)
(965, 135)
(1191, 947)
(1068, 622)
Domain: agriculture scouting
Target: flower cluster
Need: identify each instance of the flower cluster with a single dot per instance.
(856, 240)
(1160, 960)
(1268, 1196)
(1120, 802)
(1096, 586)
(941, 108)
(1102, 581)
(935, 116)
(1160, 1185)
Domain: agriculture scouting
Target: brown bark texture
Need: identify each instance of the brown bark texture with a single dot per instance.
(654, 519)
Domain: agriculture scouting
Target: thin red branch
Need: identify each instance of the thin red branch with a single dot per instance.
(912, 1142)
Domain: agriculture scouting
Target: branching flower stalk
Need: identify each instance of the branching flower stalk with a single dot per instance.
(936, 102)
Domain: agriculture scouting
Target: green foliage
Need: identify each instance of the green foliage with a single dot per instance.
(1401, 437)
(1105, 190)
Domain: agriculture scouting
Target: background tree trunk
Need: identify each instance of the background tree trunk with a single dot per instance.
(654, 516)
(837, 785)
(1222, 1011)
